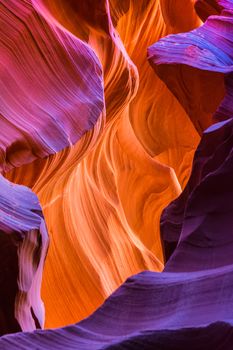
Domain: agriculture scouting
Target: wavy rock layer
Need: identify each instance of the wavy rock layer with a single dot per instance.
(47, 104)
(208, 48)
(181, 307)
(23, 246)
(46, 101)
(103, 197)
(153, 311)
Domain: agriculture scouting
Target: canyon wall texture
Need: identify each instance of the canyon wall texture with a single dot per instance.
(116, 158)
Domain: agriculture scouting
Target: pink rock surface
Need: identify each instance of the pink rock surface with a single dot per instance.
(188, 305)
(47, 101)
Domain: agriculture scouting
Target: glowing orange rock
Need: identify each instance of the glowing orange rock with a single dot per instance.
(102, 198)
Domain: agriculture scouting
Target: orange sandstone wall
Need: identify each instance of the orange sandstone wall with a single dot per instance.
(102, 198)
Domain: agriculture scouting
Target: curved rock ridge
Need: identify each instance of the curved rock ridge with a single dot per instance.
(150, 310)
(51, 86)
(208, 48)
(103, 197)
(23, 247)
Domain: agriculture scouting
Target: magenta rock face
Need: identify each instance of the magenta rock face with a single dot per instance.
(205, 52)
(23, 247)
(190, 304)
(208, 47)
(46, 101)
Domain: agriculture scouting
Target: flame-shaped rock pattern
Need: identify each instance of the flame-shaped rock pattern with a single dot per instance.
(105, 166)
(180, 307)
(107, 229)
